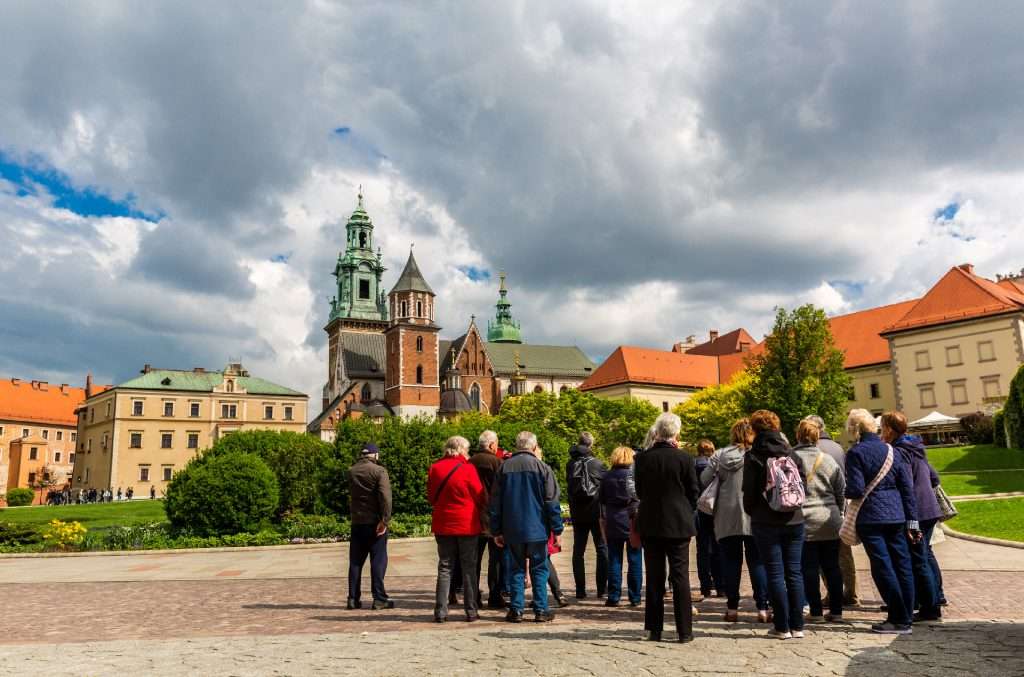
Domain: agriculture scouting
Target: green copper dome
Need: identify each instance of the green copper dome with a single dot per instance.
(503, 329)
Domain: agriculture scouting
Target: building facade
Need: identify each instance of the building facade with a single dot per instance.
(138, 433)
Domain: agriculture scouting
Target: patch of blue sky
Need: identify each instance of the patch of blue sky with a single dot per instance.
(850, 289)
(475, 274)
(358, 143)
(281, 258)
(948, 212)
(32, 177)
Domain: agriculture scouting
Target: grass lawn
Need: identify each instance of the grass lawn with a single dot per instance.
(998, 518)
(91, 515)
(993, 482)
(975, 457)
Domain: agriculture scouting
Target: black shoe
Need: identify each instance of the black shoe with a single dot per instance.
(514, 616)
(353, 604)
(498, 603)
(609, 602)
(581, 595)
(943, 602)
(472, 617)
(453, 598)
(379, 604)
(927, 618)
(653, 636)
(543, 616)
(562, 601)
(440, 619)
(685, 639)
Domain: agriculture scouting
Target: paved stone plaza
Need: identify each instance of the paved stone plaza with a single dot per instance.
(281, 611)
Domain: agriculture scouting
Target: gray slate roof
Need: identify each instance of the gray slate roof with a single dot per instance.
(364, 354)
(411, 278)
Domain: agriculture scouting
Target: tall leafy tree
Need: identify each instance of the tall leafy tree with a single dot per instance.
(800, 371)
(711, 412)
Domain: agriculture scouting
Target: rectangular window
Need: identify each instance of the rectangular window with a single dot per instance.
(927, 394)
(136, 407)
(74, 437)
(88, 446)
(1, 431)
(143, 473)
(664, 406)
(851, 394)
(87, 475)
(193, 409)
(229, 411)
(60, 435)
(56, 457)
(958, 392)
(46, 434)
(31, 478)
(986, 351)
(168, 408)
(166, 440)
(287, 413)
(268, 412)
(24, 432)
(990, 387)
(108, 409)
(104, 444)
(876, 391)
(92, 414)
(193, 441)
(364, 289)
(33, 454)
(923, 360)
(168, 470)
(71, 459)
(953, 356)
(135, 440)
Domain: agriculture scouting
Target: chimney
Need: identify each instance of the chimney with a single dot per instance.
(713, 334)
(198, 370)
(64, 388)
(146, 368)
(967, 268)
(15, 381)
(44, 385)
(88, 385)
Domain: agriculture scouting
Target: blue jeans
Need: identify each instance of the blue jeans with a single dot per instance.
(709, 566)
(732, 549)
(926, 587)
(888, 549)
(635, 576)
(823, 556)
(781, 549)
(537, 553)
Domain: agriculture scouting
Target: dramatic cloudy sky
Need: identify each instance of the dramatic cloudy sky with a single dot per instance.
(175, 177)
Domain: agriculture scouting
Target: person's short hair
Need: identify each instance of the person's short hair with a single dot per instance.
(526, 441)
(816, 420)
(763, 421)
(456, 446)
(860, 421)
(705, 448)
(586, 439)
(622, 456)
(741, 434)
(651, 437)
(808, 432)
(667, 426)
(895, 421)
(486, 438)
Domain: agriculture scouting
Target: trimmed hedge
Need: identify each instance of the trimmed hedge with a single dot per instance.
(20, 496)
(1013, 412)
(999, 429)
(979, 428)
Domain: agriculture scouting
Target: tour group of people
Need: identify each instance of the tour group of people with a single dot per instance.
(791, 512)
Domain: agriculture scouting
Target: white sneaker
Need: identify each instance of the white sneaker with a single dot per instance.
(798, 634)
(775, 634)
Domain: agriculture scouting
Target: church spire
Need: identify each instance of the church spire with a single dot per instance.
(503, 329)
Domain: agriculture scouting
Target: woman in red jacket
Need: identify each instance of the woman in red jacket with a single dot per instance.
(457, 496)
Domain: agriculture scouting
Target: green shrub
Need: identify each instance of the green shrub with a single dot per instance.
(315, 526)
(408, 526)
(1013, 412)
(999, 429)
(979, 428)
(20, 496)
(225, 493)
(14, 534)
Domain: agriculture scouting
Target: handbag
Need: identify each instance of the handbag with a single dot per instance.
(708, 497)
(848, 531)
(949, 510)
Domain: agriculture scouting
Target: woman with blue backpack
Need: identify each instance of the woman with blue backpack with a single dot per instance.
(773, 496)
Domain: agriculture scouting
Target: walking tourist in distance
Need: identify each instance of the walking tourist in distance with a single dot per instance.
(370, 511)
(524, 511)
(486, 460)
(823, 515)
(847, 565)
(709, 569)
(457, 498)
(887, 519)
(925, 479)
(732, 523)
(618, 501)
(666, 484)
(582, 479)
(779, 534)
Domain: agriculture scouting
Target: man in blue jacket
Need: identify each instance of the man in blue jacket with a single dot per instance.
(524, 510)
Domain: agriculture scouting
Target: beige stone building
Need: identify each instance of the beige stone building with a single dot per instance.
(138, 433)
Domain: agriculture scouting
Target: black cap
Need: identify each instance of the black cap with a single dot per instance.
(370, 448)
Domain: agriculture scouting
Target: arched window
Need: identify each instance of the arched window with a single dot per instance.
(362, 240)
(562, 389)
(231, 386)
(419, 344)
(538, 389)
(474, 396)
(405, 309)
(419, 309)
(366, 394)
(419, 374)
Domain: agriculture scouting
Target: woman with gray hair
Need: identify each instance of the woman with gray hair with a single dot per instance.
(457, 497)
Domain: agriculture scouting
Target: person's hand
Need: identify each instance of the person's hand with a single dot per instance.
(914, 536)
(558, 541)
(381, 528)
(499, 541)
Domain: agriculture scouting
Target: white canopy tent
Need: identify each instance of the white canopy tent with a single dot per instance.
(935, 419)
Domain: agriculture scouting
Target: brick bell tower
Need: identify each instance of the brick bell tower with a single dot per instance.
(411, 386)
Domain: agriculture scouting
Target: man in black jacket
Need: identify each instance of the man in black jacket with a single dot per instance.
(582, 479)
(370, 512)
(666, 484)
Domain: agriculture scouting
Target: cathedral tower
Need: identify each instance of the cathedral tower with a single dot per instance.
(411, 385)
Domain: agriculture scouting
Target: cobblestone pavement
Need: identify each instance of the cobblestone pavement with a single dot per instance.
(281, 611)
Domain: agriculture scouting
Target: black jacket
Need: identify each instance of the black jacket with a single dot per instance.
(584, 510)
(666, 484)
(755, 475)
(618, 502)
(369, 492)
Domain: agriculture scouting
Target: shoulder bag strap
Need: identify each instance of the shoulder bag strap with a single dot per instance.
(886, 467)
(447, 477)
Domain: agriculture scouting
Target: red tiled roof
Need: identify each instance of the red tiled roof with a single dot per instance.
(1015, 284)
(629, 364)
(960, 295)
(39, 402)
(858, 334)
(725, 344)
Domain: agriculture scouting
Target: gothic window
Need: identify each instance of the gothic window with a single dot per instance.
(419, 344)
(419, 374)
(474, 396)
(364, 289)
(419, 309)
(405, 309)
(365, 394)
